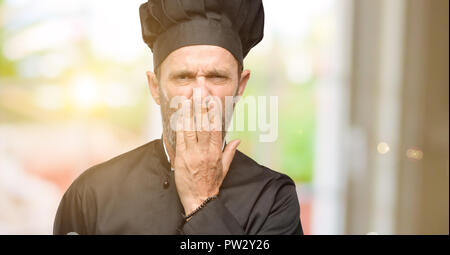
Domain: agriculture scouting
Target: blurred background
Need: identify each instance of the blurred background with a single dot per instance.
(362, 90)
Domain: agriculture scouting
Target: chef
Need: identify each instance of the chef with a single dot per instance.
(190, 181)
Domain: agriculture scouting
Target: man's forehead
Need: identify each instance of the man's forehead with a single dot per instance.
(191, 58)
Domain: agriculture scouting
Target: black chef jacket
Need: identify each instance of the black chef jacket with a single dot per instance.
(135, 193)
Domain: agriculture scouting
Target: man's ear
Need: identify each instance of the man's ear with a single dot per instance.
(153, 85)
(245, 75)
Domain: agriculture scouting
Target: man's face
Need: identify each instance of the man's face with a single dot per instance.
(209, 70)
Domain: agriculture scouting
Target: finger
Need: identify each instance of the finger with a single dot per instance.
(181, 145)
(215, 123)
(228, 155)
(190, 136)
(203, 133)
(197, 110)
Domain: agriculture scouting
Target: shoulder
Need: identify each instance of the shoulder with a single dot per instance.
(255, 169)
(246, 170)
(114, 169)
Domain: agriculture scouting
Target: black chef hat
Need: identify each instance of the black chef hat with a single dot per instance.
(236, 25)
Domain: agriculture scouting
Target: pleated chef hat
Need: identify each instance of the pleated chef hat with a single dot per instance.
(235, 25)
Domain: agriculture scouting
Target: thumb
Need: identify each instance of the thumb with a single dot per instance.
(228, 154)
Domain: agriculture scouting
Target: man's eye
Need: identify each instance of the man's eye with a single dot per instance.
(218, 77)
(183, 79)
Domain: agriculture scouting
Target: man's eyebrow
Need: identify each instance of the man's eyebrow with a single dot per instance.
(217, 72)
(191, 74)
(181, 73)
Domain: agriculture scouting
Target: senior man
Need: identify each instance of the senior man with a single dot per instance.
(190, 181)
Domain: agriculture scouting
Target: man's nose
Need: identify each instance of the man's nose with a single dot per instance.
(201, 88)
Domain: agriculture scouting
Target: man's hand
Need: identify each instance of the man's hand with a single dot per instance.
(200, 165)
